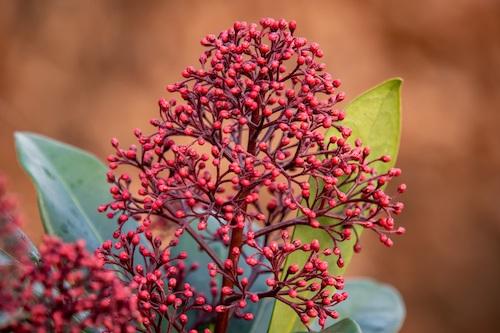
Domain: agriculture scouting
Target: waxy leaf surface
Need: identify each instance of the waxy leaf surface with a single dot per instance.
(71, 184)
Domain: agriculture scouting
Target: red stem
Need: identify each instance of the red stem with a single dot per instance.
(237, 233)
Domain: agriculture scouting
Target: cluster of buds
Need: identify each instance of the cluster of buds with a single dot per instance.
(12, 240)
(11, 248)
(243, 157)
(157, 278)
(68, 290)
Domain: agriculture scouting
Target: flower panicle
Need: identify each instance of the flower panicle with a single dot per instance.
(68, 290)
(237, 160)
(242, 156)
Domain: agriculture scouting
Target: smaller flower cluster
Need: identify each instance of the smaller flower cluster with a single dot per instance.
(156, 277)
(307, 288)
(68, 290)
(11, 240)
(13, 247)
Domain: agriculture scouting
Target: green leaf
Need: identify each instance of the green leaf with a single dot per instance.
(71, 184)
(200, 281)
(374, 117)
(12, 243)
(376, 307)
(262, 316)
(199, 278)
(346, 325)
(5, 259)
(262, 310)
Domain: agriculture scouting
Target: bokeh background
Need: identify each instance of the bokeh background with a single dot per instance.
(85, 71)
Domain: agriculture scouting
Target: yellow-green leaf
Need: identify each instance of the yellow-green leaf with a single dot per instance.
(375, 118)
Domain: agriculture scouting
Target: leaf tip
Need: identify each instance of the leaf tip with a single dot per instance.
(21, 137)
(394, 83)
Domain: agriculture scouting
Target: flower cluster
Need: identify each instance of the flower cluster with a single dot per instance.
(239, 159)
(9, 223)
(68, 290)
(157, 277)
(12, 240)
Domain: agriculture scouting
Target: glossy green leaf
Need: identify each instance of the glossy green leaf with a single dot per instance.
(261, 310)
(346, 325)
(71, 184)
(5, 259)
(200, 280)
(376, 307)
(262, 316)
(12, 243)
(374, 117)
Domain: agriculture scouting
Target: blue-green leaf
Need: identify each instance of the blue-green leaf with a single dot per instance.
(15, 241)
(262, 316)
(200, 280)
(346, 325)
(71, 184)
(376, 307)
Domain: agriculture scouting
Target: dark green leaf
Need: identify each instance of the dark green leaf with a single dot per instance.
(346, 325)
(11, 244)
(199, 278)
(5, 259)
(376, 307)
(200, 281)
(262, 316)
(374, 117)
(262, 310)
(71, 184)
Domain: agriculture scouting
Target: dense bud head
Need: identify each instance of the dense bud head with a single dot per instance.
(72, 282)
(255, 145)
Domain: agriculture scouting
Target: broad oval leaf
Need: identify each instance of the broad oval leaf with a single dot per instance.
(262, 316)
(199, 279)
(375, 118)
(71, 184)
(346, 325)
(376, 307)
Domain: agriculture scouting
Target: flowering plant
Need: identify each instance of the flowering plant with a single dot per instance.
(238, 212)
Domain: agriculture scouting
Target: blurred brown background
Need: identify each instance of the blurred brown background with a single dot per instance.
(84, 71)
